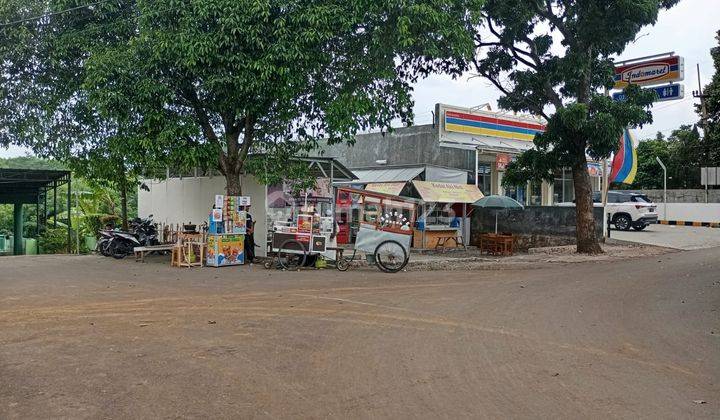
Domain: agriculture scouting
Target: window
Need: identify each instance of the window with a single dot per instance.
(371, 209)
(484, 179)
(563, 187)
(517, 193)
(640, 199)
(535, 194)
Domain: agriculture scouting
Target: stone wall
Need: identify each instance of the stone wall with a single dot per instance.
(535, 226)
(684, 196)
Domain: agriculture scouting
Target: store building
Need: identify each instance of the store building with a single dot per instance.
(461, 143)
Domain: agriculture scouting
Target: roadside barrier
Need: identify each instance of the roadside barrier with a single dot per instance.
(684, 223)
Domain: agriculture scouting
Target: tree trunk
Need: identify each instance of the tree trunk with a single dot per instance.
(232, 182)
(122, 183)
(123, 205)
(587, 241)
(233, 161)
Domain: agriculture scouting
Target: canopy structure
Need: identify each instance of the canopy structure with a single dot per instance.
(31, 186)
(378, 175)
(392, 188)
(327, 167)
(445, 192)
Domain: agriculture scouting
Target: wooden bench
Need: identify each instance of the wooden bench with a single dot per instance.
(140, 251)
(443, 240)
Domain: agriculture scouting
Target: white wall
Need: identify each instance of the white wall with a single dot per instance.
(690, 212)
(177, 200)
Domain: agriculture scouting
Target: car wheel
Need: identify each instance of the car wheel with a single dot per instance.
(639, 227)
(622, 222)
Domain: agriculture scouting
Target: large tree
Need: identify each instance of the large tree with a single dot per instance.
(553, 58)
(209, 82)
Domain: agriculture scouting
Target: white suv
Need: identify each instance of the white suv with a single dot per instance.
(628, 209)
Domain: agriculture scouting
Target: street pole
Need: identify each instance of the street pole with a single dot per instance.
(605, 179)
(77, 234)
(699, 94)
(476, 166)
(664, 186)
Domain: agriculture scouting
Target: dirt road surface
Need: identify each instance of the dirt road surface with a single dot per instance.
(89, 337)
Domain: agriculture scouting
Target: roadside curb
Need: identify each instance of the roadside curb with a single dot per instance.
(685, 223)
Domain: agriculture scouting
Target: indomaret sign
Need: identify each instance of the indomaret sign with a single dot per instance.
(650, 72)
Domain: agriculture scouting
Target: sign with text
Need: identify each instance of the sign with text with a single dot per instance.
(650, 72)
(501, 161)
(663, 93)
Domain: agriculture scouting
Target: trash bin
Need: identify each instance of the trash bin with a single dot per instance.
(90, 243)
(30, 246)
(2, 243)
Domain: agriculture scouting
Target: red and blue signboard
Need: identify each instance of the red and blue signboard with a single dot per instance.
(650, 72)
(488, 124)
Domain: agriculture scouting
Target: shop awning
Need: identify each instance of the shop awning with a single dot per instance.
(444, 192)
(392, 188)
(368, 176)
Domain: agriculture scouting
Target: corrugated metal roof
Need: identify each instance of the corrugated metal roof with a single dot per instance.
(366, 176)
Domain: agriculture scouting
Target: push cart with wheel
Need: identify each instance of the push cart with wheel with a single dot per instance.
(290, 251)
(385, 231)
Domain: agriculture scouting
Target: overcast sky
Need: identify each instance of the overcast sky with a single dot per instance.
(688, 29)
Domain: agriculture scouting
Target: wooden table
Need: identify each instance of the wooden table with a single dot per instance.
(496, 244)
(436, 237)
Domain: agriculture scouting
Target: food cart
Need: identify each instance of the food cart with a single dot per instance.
(226, 232)
(385, 231)
(308, 235)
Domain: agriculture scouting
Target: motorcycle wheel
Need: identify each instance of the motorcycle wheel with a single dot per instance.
(118, 250)
(104, 248)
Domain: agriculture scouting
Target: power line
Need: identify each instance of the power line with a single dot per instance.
(59, 12)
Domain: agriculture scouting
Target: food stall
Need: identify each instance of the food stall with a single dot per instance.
(226, 231)
(443, 214)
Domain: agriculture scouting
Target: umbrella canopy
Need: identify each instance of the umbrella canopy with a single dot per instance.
(497, 202)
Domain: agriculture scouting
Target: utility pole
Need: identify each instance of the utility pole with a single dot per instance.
(662, 165)
(704, 120)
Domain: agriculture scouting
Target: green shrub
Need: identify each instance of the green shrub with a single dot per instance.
(55, 241)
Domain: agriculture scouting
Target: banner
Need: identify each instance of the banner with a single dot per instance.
(624, 164)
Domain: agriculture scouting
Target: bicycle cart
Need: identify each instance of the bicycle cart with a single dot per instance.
(292, 244)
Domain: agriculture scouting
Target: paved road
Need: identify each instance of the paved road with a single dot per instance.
(678, 237)
(88, 337)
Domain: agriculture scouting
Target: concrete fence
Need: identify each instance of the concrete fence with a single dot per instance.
(684, 196)
(690, 212)
(535, 226)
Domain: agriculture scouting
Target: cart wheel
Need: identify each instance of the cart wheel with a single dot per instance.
(342, 264)
(291, 260)
(268, 264)
(390, 256)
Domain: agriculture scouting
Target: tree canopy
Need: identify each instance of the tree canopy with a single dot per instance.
(208, 83)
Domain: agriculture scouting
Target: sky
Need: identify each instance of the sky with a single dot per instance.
(688, 29)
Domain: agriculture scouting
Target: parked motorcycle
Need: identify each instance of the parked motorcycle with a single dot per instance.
(103, 244)
(120, 244)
